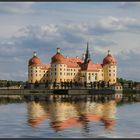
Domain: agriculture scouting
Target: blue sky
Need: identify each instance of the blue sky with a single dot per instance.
(44, 26)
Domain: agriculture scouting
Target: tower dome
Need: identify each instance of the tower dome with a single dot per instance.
(109, 59)
(58, 57)
(34, 61)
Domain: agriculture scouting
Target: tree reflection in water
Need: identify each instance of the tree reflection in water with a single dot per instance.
(64, 115)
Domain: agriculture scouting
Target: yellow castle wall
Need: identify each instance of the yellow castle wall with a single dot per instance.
(36, 74)
(110, 73)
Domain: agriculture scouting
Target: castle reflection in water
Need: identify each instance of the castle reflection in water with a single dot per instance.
(62, 115)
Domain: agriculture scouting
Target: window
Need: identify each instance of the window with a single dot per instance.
(44, 71)
(60, 69)
(55, 73)
(60, 65)
(60, 73)
(39, 74)
(36, 71)
(71, 73)
(109, 70)
(109, 74)
(71, 69)
(55, 69)
(36, 74)
(92, 73)
(74, 69)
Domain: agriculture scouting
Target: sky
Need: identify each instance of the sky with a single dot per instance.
(44, 26)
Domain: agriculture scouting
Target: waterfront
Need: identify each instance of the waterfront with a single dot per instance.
(69, 119)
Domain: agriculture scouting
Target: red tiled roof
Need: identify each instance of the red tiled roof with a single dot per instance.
(45, 67)
(58, 58)
(90, 66)
(34, 61)
(73, 62)
(109, 59)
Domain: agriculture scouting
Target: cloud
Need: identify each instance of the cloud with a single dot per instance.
(128, 5)
(110, 24)
(17, 50)
(128, 65)
(16, 7)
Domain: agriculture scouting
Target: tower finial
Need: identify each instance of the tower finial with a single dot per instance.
(34, 53)
(58, 50)
(108, 52)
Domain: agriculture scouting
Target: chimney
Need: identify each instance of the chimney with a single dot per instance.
(58, 50)
(77, 57)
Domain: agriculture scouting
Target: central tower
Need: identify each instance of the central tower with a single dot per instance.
(87, 55)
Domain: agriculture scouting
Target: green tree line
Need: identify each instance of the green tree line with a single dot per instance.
(8, 83)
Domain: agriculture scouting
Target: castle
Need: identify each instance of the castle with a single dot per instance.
(72, 69)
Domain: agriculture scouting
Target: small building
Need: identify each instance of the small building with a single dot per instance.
(117, 87)
(137, 87)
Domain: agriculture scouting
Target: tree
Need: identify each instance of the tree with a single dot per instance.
(8, 84)
(102, 84)
(98, 85)
(85, 84)
(108, 84)
(46, 84)
(54, 84)
(65, 84)
(91, 85)
(94, 84)
(71, 84)
(62, 84)
(36, 84)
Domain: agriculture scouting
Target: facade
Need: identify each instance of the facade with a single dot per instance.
(72, 69)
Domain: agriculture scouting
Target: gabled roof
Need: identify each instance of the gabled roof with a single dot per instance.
(90, 66)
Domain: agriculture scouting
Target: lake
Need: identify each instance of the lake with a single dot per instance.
(83, 119)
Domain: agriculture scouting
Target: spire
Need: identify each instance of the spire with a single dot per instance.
(87, 55)
(34, 53)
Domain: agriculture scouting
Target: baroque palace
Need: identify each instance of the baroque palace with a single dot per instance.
(72, 69)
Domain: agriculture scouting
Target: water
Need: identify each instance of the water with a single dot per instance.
(69, 120)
